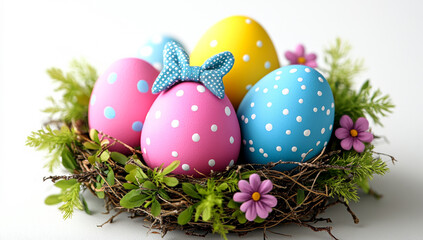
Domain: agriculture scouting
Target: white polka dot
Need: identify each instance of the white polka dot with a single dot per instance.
(275, 86)
(257, 89)
(300, 100)
(317, 144)
(285, 91)
(252, 104)
(278, 148)
(267, 65)
(285, 111)
(307, 132)
(303, 87)
(261, 150)
(269, 127)
(294, 149)
(212, 162)
(196, 137)
(319, 93)
(320, 79)
(148, 141)
(253, 116)
(185, 167)
(259, 43)
(242, 117)
(246, 58)
(278, 72)
(303, 155)
(175, 154)
(227, 111)
(288, 132)
(265, 90)
(332, 105)
(231, 163)
(307, 70)
(252, 149)
(146, 51)
(248, 87)
(246, 120)
(250, 142)
(175, 123)
(323, 108)
(300, 79)
(179, 93)
(158, 114)
(265, 155)
(231, 140)
(201, 88)
(328, 112)
(213, 128)
(330, 127)
(277, 78)
(269, 104)
(323, 130)
(244, 141)
(248, 21)
(326, 143)
(213, 43)
(144, 150)
(315, 109)
(194, 108)
(299, 119)
(293, 70)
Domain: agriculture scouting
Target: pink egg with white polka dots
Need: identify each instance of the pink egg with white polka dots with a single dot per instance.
(121, 99)
(190, 124)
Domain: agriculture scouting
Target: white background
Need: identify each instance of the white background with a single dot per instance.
(36, 35)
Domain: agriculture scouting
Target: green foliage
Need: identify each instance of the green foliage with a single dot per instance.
(69, 196)
(341, 73)
(76, 87)
(362, 168)
(57, 142)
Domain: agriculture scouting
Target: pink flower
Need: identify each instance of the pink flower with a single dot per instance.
(353, 135)
(254, 195)
(299, 57)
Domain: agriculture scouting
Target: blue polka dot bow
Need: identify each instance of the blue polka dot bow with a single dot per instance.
(176, 69)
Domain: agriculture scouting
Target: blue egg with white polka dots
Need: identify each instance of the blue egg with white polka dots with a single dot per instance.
(152, 50)
(288, 115)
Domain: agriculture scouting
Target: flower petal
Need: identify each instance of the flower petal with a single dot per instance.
(347, 143)
(241, 197)
(251, 212)
(361, 125)
(269, 200)
(245, 206)
(291, 57)
(311, 64)
(365, 137)
(265, 187)
(255, 182)
(358, 145)
(310, 57)
(261, 210)
(244, 186)
(346, 122)
(342, 133)
(300, 50)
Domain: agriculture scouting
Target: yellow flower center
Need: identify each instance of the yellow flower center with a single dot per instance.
(301, 60)
(255, 196)
(353, 132)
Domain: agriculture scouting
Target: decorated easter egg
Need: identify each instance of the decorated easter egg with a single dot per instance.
(288, 115)
(192, 120)
(152, 50)
(121, 99)
(255, 55)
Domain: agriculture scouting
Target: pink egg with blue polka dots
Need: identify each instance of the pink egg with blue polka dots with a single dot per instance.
(190, 124)
(121, 99)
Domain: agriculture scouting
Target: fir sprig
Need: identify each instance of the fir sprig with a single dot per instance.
(69, 196)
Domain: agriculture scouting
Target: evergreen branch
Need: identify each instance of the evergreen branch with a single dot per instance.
(71, 199)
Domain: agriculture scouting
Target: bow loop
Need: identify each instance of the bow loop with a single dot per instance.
(176, 69)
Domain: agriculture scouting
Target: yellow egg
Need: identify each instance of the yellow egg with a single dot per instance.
(255, 55)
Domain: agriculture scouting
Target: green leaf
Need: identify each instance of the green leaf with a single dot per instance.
(241, 218)
(163, 194)
(65, 184)
(85, 205)
(105, 156)
(119, 158)
(207, 213)
(232, 204)
(171, 167)
(133, 199)
(100, 194)
(110, 177)
(94, 136)
(300, 196)
(185, 216)
(170, 181)
(68, 160)
(129, 186)
(155, 208)
(53, 199)
(92, 159)
(258, 220)
(149, 185)
(90, 145)
(222, 187)
(189, 189)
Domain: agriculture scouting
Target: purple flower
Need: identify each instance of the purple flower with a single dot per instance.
(299, 57)
(254, 195)
(353, 134)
